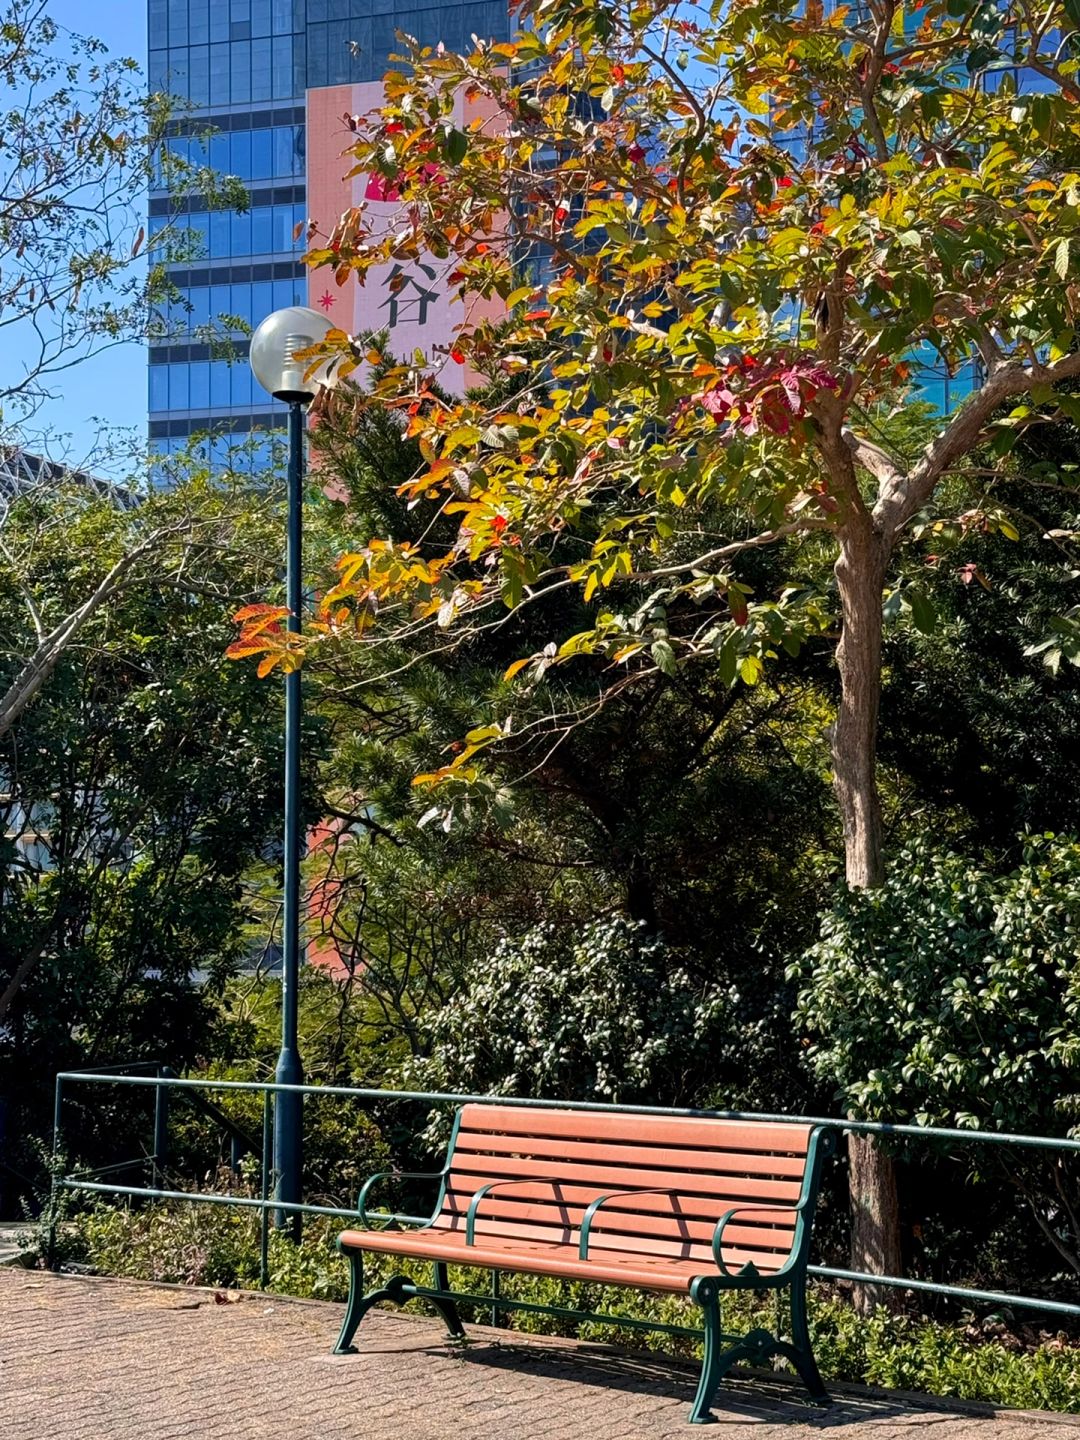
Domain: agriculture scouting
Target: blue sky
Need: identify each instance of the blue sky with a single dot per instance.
(112, 387)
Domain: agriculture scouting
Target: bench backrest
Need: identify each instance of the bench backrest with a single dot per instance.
(711, 1165)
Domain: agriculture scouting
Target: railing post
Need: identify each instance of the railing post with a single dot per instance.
(54, 1166)
(264, 1193)
(161, 1126)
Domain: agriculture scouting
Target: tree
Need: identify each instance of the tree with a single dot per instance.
(683, 807)
(132, 802)
(138, 541)
(83, 141)
(757, 223)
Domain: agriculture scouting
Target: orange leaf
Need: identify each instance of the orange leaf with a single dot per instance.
(249, 612)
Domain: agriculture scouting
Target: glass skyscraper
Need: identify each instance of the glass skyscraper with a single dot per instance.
(244, 68)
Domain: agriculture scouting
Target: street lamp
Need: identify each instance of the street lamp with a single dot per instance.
(274, 348)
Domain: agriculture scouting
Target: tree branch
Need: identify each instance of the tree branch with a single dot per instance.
(903, 496)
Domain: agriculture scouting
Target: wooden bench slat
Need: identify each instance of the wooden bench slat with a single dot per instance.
(497, 1230)
(549, 1228)
(584, 1151)
(623, 1222)
(626, 1222)
(661, 1130)
(611, 1177)
(707, 1208)
(642, 1271)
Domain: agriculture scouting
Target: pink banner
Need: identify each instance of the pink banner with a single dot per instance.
(413, 300)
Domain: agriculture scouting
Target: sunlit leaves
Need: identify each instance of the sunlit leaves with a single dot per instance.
(699, 289)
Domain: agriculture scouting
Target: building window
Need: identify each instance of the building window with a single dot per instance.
(159, 387)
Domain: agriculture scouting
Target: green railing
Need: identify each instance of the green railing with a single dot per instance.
(192, 1091)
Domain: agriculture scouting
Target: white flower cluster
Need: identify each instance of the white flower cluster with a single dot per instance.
(607, 1014)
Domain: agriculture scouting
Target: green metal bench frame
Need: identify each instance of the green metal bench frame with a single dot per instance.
(756, 1347)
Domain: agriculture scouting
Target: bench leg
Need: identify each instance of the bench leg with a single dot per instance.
(398, 1289)
(446, 1308)
(801, 1353)
(354, 1310)
(711, 1365)
(755, 1347)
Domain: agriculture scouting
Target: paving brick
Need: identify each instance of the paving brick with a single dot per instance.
(93, 1359)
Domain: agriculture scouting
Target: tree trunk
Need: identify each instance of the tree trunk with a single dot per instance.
(860, 576)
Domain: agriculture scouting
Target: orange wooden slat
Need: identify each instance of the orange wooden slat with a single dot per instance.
(640, 1156)
(480, 1168)
(602, 1240)
(576, 1197)
(641, 1271)
(659, 1242)
(661, 1130)
(735, 1233)
(626, 1222)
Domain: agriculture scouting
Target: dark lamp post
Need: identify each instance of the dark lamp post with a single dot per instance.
(274, 348)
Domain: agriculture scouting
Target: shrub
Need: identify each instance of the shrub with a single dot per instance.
(951, 996)
(607, 1013)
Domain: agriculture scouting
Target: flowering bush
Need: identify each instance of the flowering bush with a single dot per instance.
(607, 1014)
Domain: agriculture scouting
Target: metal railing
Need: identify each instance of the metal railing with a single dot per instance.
(265, 1202)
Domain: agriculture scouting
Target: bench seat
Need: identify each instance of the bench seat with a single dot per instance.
(691, 1205)
(538, 1257)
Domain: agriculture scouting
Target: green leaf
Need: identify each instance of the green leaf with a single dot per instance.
(664, 656)
(923, 614)
(1061, 258)
(920, 297)
(1041, 114)
(455, 146)
(728, 660)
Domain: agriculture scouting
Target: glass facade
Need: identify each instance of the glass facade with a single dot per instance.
(244, 67)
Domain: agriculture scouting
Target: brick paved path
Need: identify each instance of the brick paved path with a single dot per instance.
(88, 1359)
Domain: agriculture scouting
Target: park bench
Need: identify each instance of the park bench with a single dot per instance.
(694, 1206)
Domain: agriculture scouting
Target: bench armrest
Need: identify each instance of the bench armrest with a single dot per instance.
(797, 1206)
(485, 1190)
(361, 1202)
(590, 1213)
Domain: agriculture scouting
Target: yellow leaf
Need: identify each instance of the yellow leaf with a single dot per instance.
(512, 670)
